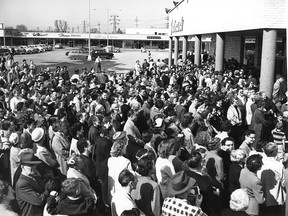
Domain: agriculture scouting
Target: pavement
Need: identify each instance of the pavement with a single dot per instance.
(122, 62)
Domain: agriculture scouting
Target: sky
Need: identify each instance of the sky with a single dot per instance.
(42, 13)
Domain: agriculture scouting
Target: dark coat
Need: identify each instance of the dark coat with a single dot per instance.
(30, 195)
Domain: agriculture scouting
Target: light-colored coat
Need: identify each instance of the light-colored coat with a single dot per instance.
(253, 185)
(233, 116)
(61, 146)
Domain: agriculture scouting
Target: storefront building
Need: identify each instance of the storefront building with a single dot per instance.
(251, 31)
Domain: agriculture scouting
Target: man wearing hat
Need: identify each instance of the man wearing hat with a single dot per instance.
(182, 187)
(38, 137)
(31, 192)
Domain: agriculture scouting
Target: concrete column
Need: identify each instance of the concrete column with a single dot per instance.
(123, 44)
(170, 51)
(219, 58)
(184, 48)
(197, 50)
(268, 61)
(176, 50)
(54, 42)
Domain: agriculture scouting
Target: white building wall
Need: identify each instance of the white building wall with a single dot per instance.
(192, 17)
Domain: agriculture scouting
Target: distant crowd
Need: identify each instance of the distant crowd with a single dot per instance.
(159, 140)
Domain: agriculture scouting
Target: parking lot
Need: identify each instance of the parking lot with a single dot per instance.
(122, 62)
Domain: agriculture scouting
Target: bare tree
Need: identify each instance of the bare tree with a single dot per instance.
(21, 27)
(60, 25)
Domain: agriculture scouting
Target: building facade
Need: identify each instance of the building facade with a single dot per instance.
(251, 31)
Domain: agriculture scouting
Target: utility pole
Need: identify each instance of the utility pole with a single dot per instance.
(84, 26)
(99, 27)
(136, 22)
(167, 22)
(115, 21)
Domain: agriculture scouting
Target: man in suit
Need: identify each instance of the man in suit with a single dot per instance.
(210, 204)
(130, 127)
(142, 94)
(31, 192)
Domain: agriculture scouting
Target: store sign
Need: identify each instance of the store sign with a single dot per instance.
(177, 26)
(153, 37)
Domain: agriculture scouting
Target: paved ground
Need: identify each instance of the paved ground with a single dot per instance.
(121, 63)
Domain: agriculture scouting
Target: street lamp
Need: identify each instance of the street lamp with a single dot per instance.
(89, 40)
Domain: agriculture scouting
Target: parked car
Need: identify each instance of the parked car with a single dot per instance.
(4, 51)
(78, 55)
(58, 46)
(19, 50)
(29, 50)
(41, 47)
(102, 53)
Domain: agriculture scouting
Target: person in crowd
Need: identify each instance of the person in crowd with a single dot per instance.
(237, 158)
(249, 181)
(259, 122)
(234, 115)
(14, 151)
(186, 198)
(272, 179)
(122, 199)
(210, 203)
(247, 144)
(6, 196)
(239, 202)
(30, 189)
(278, 94)
(147, 194)
(74, 202)
(214, 163)
(116, 163)
(60, 146)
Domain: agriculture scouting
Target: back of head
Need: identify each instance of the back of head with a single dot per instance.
(195, 160)
(254, 163)
(82, 144)
(271, 149)
(71, 187)
(239, 200)
(145, 162)
(165, 148)
(125, 177)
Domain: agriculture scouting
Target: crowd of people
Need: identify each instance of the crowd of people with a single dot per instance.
(184, 140)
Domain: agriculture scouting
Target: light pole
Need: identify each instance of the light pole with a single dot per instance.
(89, 40)
(107, 27)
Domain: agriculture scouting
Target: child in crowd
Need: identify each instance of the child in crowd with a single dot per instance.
(279, 138)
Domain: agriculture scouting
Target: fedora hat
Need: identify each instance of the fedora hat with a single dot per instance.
(179, 183)
(37, 134)
(27, 157)
(119, 135)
